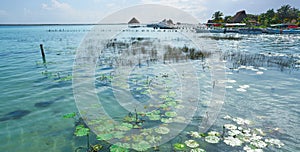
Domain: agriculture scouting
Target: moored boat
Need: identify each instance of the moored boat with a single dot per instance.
(283, 29)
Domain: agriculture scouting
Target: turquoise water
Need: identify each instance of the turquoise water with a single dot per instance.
(33, 98)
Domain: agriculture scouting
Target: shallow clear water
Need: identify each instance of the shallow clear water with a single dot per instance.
(271, 101)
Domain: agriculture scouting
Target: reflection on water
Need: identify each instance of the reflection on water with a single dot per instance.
(262, 86)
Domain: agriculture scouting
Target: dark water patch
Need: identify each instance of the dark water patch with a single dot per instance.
(106, 68)
(58, 85)
(15, 115)
(47, 103)
(43, 104)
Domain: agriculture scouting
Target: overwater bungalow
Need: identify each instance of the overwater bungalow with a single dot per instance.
(134, 23)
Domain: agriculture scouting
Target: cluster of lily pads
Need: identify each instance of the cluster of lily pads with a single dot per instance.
(235, 135)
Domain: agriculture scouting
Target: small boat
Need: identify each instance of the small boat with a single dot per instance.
(283, 29)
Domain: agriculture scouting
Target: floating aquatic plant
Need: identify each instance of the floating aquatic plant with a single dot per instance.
(194, 134)
(116, 148)
(153, 139)
(251, 149)
(213, 133)
(66, 78)
(253, 137)
(275, 142)
(105, 136)
(212, 139)
(118, 134)
(234, 132)
(259, 131)
(241, 121)
(191, 143)
(227, 117)
(141, 146)
(179, 146)
(171, 114)
(230, 126)
(137, 137)
(125, 126)
(69, 115)
(166, 120)
(171, 103)
(197, 150)
(258, 144)
(81, 131)
(154, 117)
(162, 130)
(232, 141)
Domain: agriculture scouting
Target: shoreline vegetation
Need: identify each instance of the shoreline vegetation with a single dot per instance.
(286, 14)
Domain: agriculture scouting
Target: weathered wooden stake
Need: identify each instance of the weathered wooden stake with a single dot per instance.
(43, 53)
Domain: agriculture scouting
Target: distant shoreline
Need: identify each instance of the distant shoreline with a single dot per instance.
(61, 24)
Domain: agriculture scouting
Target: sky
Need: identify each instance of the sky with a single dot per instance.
(93, 11)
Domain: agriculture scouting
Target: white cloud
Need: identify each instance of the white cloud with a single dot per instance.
(55, 4)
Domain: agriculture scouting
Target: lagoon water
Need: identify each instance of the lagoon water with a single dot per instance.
(33, 98)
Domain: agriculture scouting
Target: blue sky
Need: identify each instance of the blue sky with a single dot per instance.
(92, 11)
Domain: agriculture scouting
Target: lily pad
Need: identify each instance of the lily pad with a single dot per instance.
(106, 136)
(232, 141)
(195, 134)
(162, 130)
(81, 131)
(259, 131)
(166, 120)
(154, 117)
(197, 150)
(213, 133)
(141, 146)
(227, 117)
(153, 139)
(259, 144)
(171, 103)
(69, 115)
(191, 143)
(230, 126)
(275, 142)
(234, 132)
(212, 139)
(116, 148)
(250, 149)
(125, 126)
(171, 114)
(241, 121)
(118, 134)
(179, 146)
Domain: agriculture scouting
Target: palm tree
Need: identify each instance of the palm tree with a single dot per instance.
(284, 12)
(217, 16)
(227, 19)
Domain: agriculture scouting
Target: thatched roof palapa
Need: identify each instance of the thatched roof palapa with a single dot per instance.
(133, 21)
(238, 17)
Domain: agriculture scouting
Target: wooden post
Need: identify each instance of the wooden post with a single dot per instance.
(43, 54)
